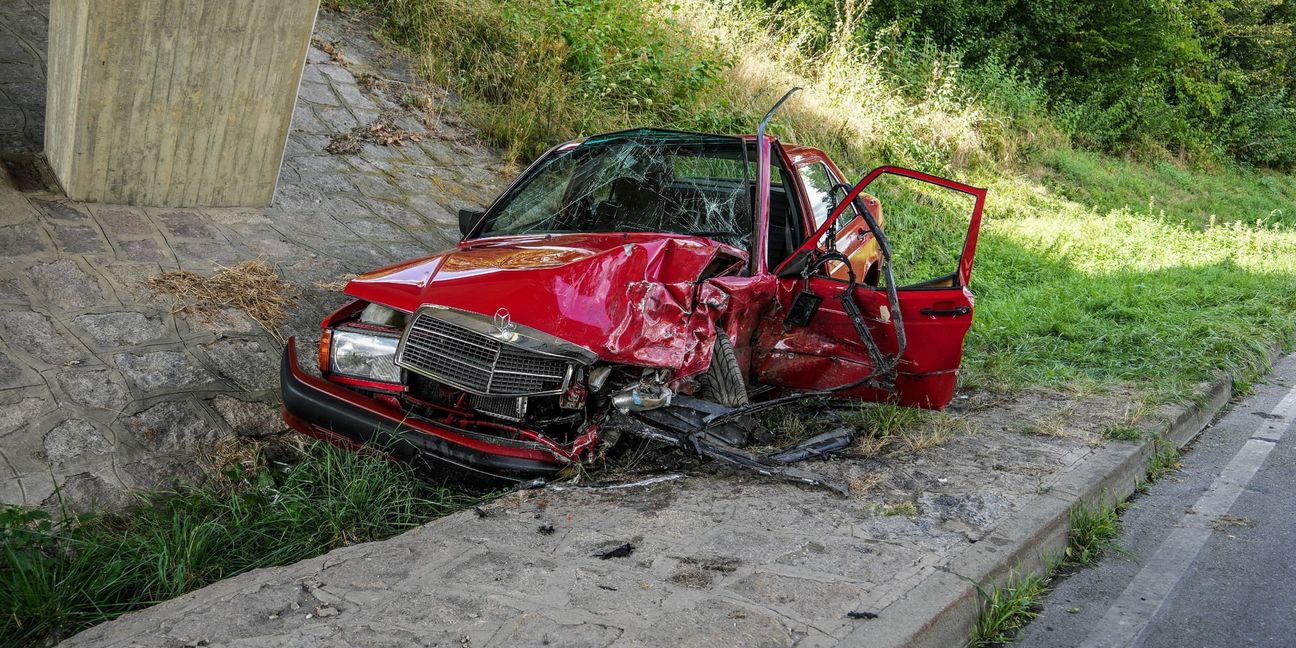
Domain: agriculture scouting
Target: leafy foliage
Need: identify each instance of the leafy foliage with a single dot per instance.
(1209, 78)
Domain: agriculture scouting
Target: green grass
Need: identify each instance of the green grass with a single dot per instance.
(903, 509)
(56, 579)
(1006, 609)
(1122, 432)
(1074, 294)
(1160, 189)
(882, 419)
(1092, 271)
(1092, 533)
(1164, 462)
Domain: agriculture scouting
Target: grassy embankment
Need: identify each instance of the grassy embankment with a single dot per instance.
(1093, 271)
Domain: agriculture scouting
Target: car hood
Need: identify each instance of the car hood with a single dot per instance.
(629, 298)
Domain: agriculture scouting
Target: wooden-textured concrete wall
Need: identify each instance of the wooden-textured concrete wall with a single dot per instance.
(176, 103)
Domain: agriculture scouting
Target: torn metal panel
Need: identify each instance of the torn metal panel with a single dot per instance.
(629, 298)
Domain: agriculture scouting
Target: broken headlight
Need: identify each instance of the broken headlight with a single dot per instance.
(361, 355)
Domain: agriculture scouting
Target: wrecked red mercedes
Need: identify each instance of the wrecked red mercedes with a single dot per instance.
(656, 283)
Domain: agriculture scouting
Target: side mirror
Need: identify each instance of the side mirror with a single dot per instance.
(468, 218)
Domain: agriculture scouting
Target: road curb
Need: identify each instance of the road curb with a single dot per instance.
(942, 609)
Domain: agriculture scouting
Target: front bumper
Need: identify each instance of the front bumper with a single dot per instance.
(348, 419)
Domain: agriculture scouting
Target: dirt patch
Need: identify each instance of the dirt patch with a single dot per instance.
(252, 286)
(699, 573)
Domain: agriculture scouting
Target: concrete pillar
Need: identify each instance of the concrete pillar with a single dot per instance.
(176, 103)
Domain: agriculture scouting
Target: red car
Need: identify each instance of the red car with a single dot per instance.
(647, 281)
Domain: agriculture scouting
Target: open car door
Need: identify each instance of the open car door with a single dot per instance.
(866, 349)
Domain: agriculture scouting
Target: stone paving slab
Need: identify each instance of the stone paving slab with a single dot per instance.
(102, 386)
(23, 44)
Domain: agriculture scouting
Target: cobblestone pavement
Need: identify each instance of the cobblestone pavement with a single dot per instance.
(103, 387)
(23, 36)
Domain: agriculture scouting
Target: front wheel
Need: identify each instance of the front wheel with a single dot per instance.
(723, 381)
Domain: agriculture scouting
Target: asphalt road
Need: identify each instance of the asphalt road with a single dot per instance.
(1208, 554)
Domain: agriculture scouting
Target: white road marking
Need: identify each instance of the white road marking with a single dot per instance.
(1128, 617)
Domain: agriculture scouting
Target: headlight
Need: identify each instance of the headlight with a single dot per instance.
(360, 355)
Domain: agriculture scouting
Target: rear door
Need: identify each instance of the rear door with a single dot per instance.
(932, 225)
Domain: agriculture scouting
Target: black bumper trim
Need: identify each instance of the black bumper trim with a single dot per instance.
(392, 436)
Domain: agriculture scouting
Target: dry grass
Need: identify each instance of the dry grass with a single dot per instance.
(1231, 521)
(252, 286)
(860, 485)
(1054, 425)
(337, 285)
(890, 430)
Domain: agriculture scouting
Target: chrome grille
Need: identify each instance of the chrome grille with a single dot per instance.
(478, 363)
(512, 408)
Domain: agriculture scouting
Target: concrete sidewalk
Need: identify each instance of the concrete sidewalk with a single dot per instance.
(719, 559)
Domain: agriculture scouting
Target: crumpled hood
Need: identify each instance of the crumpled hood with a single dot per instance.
(629, 298)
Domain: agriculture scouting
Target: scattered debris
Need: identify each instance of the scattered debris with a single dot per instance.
(619, 552)
(538, 482)
(545, 529)
(252, 286)
(381, 131)
(725, 565)
(335, 51)
(860, 614)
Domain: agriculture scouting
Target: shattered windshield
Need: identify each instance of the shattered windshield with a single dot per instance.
(639, 181)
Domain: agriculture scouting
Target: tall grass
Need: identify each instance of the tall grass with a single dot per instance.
(1092, 270)
(56, 579)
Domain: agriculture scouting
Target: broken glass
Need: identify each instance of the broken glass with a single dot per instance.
(637, 181)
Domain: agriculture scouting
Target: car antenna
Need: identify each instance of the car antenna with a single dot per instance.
(760, 130)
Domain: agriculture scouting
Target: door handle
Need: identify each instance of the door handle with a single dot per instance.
(948, 312)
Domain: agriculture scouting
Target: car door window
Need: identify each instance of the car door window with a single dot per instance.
(932, 225)
(927, 225)
(819, 184)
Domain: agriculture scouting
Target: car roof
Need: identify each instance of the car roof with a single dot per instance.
(797, 153)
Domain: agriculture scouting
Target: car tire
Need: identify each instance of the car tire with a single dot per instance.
(723, 381)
